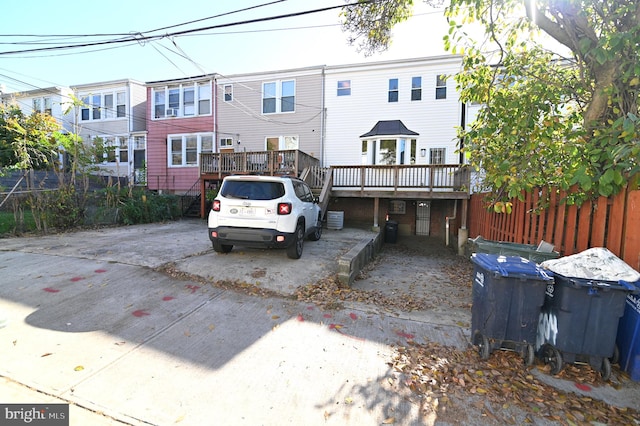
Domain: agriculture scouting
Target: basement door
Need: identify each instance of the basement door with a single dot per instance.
(423, 217)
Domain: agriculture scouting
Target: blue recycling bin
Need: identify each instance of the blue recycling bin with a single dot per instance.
(508, 292)
(628, 339)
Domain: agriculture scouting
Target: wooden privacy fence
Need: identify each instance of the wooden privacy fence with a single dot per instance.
(612, 222)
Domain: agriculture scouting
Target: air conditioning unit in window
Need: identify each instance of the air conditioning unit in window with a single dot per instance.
(171, 112)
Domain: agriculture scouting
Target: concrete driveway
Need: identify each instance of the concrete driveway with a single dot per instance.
(91, 319)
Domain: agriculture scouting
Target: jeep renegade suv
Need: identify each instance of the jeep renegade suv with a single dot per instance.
(264, 211)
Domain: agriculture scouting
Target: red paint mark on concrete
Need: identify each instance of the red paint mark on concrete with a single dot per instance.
(300, 318)
(310, 308)
(140, 313)
(193, 288)
(327, 315)
(100, 271)
(408, 336)
(353, 316)
(583, 387)
(51, 290)
(167, 298)
(76, 279)
(335, 326)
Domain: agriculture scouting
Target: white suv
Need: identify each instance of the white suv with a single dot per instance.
(264, 211)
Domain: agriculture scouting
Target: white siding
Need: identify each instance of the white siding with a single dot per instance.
(348, 117)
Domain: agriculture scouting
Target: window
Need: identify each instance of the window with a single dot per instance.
(393, 90)
(389, 151)
(123, 154)
(437, 155)
(121, 104)
(281, 143)
(416, 88)
(108, 106)
(204, 98)
(344, 88)
(283, 90)
(228, 93)
(189, 106)
(441, 87)
(182, 100)
(288, 98)
(226, 142)
(184, 150)
(114, 149)
(42, 105)
(103, 106)
(37, 104)
(95, 106)
(268, 98)
(47, 105)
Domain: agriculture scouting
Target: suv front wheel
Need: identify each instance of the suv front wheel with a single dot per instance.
(294, 251)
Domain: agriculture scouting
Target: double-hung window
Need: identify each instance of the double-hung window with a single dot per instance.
(182, 100)
(103, 106)
(228, 93)
(416, 88)
(344, 88)
(393, 90)
(441, 87)
(184, 150)
(278, 96)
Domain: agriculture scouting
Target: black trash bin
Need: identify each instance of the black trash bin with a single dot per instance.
(508, 292)
(391, 232)
(580, 316)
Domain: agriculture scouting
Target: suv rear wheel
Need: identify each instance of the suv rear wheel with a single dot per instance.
(317, 233)
(294, 251)
(221, 248)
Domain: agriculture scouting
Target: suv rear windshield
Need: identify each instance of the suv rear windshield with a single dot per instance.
(252, 190)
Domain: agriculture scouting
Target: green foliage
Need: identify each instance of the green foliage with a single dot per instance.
(559, 82)
(140, 206)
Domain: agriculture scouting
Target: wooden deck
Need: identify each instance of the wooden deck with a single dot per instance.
(427, 181)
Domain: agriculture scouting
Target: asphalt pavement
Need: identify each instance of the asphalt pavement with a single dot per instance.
(92, 319)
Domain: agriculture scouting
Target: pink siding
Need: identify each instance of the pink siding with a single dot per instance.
(159, 175)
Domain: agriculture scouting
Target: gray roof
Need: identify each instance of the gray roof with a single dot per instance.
(389, 128)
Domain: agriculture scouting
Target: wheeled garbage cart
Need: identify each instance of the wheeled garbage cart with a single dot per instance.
(508, 292)
(628, 340)
(581, 311)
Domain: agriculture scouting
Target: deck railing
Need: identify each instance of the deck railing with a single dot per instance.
(290, 162)
(430, 177)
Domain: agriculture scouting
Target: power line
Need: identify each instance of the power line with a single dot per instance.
(139, 37)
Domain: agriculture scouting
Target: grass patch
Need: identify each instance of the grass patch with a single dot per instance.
(8, 224)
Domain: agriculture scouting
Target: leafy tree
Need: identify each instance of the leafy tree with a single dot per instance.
(26, 141)
(563, 116)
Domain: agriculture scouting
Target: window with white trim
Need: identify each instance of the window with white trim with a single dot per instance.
(344, 88)
(228, 92)
(114, 149)
(103, 105)
(437, 155)
(184, 150)
(388, 151)
(393, 90)
(181, 100)
(226, 142)
(278, 96)
(416, 88)
(441, 87)
(42, 105)
(279, 143)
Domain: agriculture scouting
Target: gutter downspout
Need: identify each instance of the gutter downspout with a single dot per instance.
(322, 118)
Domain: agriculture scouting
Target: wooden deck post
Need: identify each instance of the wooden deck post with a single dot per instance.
(376, 209)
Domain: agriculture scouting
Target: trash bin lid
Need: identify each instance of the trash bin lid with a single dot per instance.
(511, 266)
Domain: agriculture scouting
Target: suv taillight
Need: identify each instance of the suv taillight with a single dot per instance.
(215, 206)
(284, 208)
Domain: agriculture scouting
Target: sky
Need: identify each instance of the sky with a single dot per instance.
(308, 40)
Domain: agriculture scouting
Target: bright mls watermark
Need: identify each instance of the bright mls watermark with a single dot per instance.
(34, 414)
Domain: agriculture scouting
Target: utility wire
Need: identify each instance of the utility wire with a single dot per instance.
(138, 38)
